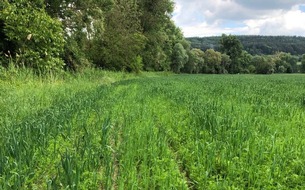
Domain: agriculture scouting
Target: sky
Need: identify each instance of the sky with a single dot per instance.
(198, 18)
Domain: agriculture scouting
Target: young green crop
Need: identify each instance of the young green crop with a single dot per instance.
(102, 130)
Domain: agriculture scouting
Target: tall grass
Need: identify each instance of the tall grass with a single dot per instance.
(102, 130)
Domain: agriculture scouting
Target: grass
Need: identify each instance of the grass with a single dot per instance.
(102, 130)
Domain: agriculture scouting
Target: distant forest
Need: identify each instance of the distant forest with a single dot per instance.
(256, 45)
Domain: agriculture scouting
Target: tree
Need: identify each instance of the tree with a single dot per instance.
(244, 61)
(179, 58)
(252, 69)
(263, 64)
(121, 46)
(161, 33)
(34, 38)
(255, 44)
(213, 61)
(83, 23)
(285, 62)
(157, 54)
(303, 64)
(231, 46)
(292, 60)
(225, 63)
(195, 62)
(281, 65)
(155, 13)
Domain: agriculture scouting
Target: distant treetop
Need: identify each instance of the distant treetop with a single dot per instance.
(256, 45)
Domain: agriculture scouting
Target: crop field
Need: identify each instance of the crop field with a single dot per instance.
(153, 132)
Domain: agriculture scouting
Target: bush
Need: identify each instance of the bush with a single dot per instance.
(263, 64)
(37, 37)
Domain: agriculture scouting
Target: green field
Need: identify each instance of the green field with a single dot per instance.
(117, 131)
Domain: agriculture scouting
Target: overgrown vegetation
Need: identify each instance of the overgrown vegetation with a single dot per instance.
(102, 130)
(126, 35)
(244, 59)
(96, 129)
(256, 45)
(114, 35)
(30, 37)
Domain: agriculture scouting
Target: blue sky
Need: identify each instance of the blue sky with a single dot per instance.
(241, 17)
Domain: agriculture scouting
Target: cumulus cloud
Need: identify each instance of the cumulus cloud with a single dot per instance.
(291, 22)
(269, 4)
(258, 17)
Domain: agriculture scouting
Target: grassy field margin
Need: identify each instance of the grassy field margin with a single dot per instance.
(103, 130)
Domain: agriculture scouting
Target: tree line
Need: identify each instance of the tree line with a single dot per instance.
(231, 57)
(120, 35)
(130, 35)
(256, 44)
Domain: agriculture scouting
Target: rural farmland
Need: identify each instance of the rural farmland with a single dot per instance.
(153, 131)
(152, 95)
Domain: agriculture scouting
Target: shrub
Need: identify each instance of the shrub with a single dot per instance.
(37, 37)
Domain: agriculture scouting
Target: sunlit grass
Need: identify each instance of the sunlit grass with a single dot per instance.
(103, 130)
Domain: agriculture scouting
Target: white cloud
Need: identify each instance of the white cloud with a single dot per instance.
(205, 29)
(214, 17)
(269, 4)
(282, 23)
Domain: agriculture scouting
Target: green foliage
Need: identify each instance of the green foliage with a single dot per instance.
(112, 34)
(292, 61)
(127, 49)
(213, 61)
(195, 62)
(123, 35)
(137, 64)
(154, 57)
(123, 41)
(285, 62)
(37, 38)
(160, 32)
(303, 64)
(161, 132)
(83, 24)
(241, 61)
(75, 59)
(231, 46)
(158, 51)
(263, 64)
(244, 61)
(225, 62)
(252, 69)
(237, 60)
(179, 58)
(155, 14)
(281, 64)
(256, 45)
